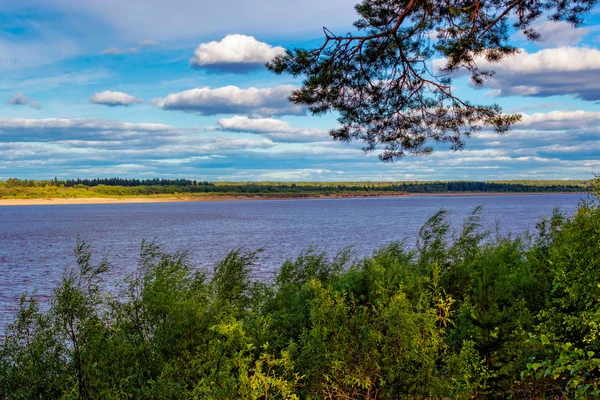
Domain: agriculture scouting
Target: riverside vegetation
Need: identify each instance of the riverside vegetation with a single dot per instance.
(461, 314)
(118, 187)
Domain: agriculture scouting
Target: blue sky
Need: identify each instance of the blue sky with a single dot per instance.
(176, 88)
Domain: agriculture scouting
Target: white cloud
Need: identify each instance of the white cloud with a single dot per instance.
(112, 99)
(234, 53)
(561, 120)
(255, 125)
(274, 129)
(232, 100)
(560, 59)
(19, 100)
(550, 72)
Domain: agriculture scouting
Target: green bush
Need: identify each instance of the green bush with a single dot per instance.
(459, 315)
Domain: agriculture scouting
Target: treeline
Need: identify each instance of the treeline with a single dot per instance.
(470, 186)
(15, 182)
(135, 187)
(456, 316)
(135, 182)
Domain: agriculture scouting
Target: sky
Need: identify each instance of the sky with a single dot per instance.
(178, 89)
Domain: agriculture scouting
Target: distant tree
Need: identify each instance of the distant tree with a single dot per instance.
(381, 82)
(12, 182)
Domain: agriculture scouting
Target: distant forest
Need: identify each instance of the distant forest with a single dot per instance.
(140, 187)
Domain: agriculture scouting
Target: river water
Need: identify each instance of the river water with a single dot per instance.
(36, 242)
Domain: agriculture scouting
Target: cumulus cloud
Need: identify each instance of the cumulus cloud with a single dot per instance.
(559, 71)
(232, 100)
(113, 99)
(19, 100)
(274, 129)
(550, 72)
(234, 53)
(551, 60)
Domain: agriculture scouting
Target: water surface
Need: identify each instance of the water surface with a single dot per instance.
(36, 242)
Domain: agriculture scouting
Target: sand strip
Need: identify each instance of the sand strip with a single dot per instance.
(125, 200)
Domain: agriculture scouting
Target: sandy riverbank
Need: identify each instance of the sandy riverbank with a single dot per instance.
(173, 199)
(127, 200)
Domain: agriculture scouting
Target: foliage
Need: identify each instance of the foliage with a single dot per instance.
(574, 368)
(115, 187)
(460, 314)
(380, 81)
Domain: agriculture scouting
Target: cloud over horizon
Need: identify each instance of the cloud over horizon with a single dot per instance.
(76, 147)
(543, 145)
(234, 53)
(59, 129)
(232, 100)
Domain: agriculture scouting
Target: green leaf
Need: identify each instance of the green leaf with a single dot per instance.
(544, 339)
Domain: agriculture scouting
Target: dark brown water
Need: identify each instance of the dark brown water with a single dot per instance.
(36, 242)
